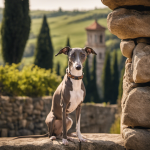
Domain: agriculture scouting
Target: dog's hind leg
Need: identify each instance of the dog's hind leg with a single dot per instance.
(50, 119)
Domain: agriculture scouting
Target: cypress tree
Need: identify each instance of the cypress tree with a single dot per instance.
(67, 44)
(44, 48)
(115, 78)
(93, 86)
(120, 89)
(15, 29)
(86, 81)
(58, 69)
(106, 79)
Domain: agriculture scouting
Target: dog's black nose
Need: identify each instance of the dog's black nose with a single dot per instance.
(78, 67)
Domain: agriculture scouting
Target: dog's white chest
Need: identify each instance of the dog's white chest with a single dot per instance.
(76, 97)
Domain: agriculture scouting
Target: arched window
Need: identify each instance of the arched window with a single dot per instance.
(100, 55)
(101, 39)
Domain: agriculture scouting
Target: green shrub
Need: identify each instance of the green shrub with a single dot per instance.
(30, 81)
(115, 128)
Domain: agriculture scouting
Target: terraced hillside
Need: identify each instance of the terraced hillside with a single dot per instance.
(67, 23)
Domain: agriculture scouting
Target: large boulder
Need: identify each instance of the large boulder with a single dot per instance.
(129, 23)
(113, 4)
(141, 63)
(136, 110)
(127, 47)
(136, 139)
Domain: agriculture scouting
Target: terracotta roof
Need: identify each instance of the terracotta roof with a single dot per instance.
(95, 26)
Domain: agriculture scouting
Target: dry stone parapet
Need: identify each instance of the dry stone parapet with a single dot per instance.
(129, 23)
(113, 4)
(136, 110)
(26, 116)
(136, 139)
(141, 63)
(95, 142)
(127, 47)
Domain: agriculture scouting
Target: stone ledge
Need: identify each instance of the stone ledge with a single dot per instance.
(95, 142)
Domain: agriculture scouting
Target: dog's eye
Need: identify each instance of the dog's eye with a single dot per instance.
(73, 55)
(83, 55)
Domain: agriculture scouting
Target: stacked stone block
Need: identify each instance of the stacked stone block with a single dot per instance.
(130, 21)
(23, 115)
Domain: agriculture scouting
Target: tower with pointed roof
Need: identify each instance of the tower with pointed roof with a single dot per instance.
(96, 40)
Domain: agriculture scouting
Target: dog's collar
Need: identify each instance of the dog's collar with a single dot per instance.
(72, 76)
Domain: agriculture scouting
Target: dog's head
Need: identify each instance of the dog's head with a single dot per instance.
(77, 56)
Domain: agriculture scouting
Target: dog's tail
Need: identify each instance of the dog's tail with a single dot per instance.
(31, 136)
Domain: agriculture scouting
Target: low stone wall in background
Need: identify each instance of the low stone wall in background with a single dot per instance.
(26, 116)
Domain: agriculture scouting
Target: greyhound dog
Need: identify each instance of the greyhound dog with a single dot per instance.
(68, 96)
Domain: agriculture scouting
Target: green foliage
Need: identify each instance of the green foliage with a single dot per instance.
(106, 79)
(58, 69)
(115, 78)
(93, 86)
(67, 44)
(120, 89)
(115, 128)
(15, 29)
(86, 81)
(90, 83)
(30, 81)
(44, 48)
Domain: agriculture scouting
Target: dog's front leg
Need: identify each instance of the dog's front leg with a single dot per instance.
(78, 117)
(64, 140)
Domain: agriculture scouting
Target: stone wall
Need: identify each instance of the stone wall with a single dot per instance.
(26, 116)
(95, 141)
(130, 21)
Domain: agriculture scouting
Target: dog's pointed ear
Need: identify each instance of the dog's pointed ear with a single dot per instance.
(64, 50)
(89, 50)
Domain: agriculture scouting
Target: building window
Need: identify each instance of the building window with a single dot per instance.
(101, 39)
(100, 55)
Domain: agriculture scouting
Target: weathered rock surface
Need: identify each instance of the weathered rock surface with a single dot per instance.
(128, 83)
(95, 142)
(128, 23)
(136, 139)
(141, 63)
(27, 116)
(127, 47)
(112, 4)
(136, 110)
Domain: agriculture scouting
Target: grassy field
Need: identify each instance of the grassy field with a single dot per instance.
(62, 26)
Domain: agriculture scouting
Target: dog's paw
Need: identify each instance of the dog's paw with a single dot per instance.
(65, 142)
(82, 140)
(69, 138)
(53, 138)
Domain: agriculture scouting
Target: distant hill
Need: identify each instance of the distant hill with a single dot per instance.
(67, 23)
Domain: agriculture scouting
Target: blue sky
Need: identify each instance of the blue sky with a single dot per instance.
(64, 4)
